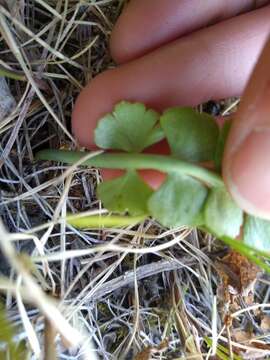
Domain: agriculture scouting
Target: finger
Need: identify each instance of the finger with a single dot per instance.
(147, 24)
(247, 157)
(210, 64)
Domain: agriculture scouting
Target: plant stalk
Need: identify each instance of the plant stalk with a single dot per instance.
(108, 221)
(11, 74)
(166, 164)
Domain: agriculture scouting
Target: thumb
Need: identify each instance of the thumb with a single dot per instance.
(246, 165)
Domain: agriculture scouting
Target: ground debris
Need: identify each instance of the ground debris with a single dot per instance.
(7, 101)
(147, 353)
(36, 195)
(265, 323)
(238, 275)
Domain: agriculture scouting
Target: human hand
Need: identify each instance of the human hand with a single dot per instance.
(202, 63)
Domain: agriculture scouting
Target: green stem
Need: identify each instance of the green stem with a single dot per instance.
(167, 164)
(81, 221)
(11, 74)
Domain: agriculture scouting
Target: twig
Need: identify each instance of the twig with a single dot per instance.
(142, 272)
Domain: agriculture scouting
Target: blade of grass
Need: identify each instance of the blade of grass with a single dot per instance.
(222, 352)
(11, 74)
(82, 221)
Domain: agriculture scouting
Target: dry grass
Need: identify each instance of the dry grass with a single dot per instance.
(135, 293)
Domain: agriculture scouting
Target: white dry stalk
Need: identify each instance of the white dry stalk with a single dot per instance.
(225, 339)
(89, 263)
(214, 326)
(71, 78)
(137, 310)
(63, 233)
(248, 308)
(39, 40)
(39, 246)
(88, 348)
(29, 329)
(42, 301)
(108, 272)
(67, 175)
(230, 107)
(17, 237)
(58, 210)
(8, 118)
(69, 254)
(7, 101)
(49, 8)
(64, 29)
(43, 31)
(80, 53)
(55, 181)
(17, 53)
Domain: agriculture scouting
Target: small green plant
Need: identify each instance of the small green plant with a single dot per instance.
(8, 348)
(190, 195)
(222, 352)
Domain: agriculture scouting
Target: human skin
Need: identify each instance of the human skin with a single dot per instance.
(185, 52)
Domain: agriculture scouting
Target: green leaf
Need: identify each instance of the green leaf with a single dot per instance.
(126, 193)
(199, 219)
(222, 216)
(223, 135)
(192, 136)
(256, 233)
(178, 201)
(130, 127)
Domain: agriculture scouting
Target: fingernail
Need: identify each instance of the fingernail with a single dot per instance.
(248, 175)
